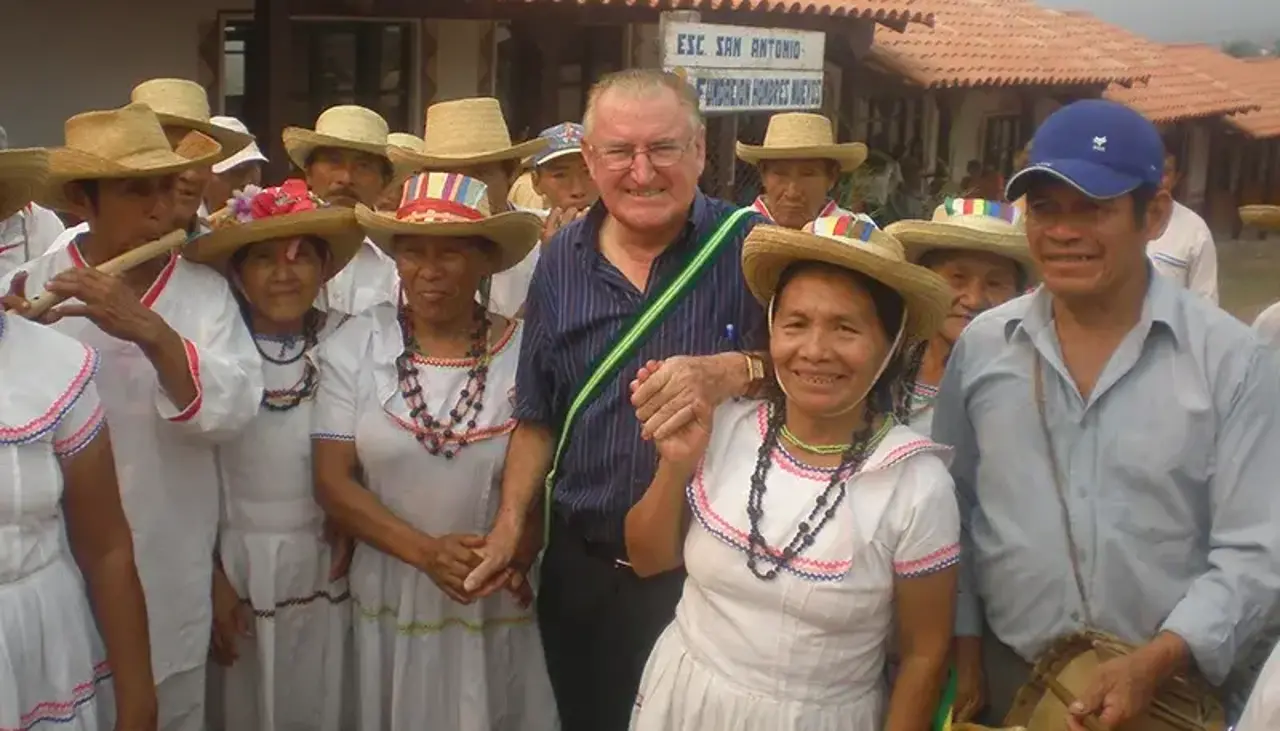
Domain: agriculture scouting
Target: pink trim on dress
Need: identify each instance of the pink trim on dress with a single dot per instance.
(193, 366)
(84, 435)
(41, 425)
(63, 711)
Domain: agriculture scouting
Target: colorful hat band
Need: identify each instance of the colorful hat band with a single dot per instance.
(842, 227)
(434, 210)
(978, 207)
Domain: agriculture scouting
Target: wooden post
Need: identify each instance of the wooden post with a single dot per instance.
(550, 41)
(267, 77)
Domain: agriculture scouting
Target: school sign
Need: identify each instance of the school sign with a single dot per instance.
(743, 69)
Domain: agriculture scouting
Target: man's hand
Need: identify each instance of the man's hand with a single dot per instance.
(667, 398)
(558, 218)
(109, 303)
(970, 692)
(1122, 688)
(497, 555)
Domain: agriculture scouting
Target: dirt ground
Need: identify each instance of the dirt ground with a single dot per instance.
(1248, 275)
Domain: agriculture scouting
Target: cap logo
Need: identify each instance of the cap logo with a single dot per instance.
(1099, 144)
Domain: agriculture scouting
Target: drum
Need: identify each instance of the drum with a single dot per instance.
(1185, 703)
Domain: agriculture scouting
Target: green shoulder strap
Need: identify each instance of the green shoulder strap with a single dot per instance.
(622, 350)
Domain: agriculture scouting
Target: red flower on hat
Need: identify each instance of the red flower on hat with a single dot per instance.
(291, 197)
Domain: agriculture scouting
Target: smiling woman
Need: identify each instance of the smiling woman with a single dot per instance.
(844, 523)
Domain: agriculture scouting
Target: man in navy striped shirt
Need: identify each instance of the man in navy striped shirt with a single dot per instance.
(646, 148)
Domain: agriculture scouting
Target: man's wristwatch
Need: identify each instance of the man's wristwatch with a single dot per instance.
(755, 374)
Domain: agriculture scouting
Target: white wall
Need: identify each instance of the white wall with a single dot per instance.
(61, 57)
(967, 124)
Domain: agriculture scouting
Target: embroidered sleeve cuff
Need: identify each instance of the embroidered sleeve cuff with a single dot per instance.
(82, 437)
(193, 408)
(332, 436)
(940, 559)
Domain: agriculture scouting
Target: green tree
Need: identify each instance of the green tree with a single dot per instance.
(1241, 49)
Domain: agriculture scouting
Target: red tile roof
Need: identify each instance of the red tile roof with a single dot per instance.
(982, 43)
(1257, 79)
(886, 11)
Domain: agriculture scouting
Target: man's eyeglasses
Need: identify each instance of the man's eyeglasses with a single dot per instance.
(661, 155)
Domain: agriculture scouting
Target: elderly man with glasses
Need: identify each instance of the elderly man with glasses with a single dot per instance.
(645, 146)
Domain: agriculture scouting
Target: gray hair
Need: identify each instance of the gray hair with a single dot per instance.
(640, 83)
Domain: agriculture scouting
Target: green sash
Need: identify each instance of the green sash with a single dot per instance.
(639, 331)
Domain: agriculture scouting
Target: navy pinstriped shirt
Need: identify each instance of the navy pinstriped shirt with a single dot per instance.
(578, 306)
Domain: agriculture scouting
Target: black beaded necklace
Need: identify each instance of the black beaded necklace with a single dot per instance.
(443, 438)
(285, 399)
(825, 504)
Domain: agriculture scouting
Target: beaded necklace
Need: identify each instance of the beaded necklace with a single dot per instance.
(822, 449)
(285, 399)
(825, 504)
(444, 438)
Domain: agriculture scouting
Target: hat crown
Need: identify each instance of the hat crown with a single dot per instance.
(443, 197)
(1104, 133)
(174, 97)
(980, 213)
(405, 140)
(799, 129)
(465, 127)
(118, 134)
(854, 232)
(353, 123)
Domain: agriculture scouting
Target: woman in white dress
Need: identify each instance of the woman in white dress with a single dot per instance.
(811, 523)
(410, 434)
(979, 248)
(60, 479)
(281, 617)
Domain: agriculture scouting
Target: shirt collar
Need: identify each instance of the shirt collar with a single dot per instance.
(1159, 306)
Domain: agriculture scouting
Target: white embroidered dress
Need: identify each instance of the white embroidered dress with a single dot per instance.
(805, 651)
(423, 661)
(165, 456)
(291, 674)
(51, 662)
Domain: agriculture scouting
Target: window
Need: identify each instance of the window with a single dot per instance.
(1001, 140)
(365, 62)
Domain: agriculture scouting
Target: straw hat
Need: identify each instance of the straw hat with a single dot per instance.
(968, 224)
(121, 143)
(462, 133)
(448, 204)
(803, 136)
(405, 140)
(1263, 217)
(345, 127)
(183, 103)
(849, 243)
(22, 172)
(256, 215)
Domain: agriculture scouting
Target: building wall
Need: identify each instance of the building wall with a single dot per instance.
(62, 57)
(968, 121)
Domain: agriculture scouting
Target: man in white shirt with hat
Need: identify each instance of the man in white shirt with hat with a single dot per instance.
(345, 161)
(236, 172)
(1185, 252)
(27, 233)
(470, 137)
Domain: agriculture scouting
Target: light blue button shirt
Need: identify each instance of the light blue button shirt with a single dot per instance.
(1170, 470)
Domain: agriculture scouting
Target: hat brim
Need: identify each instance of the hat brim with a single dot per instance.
(848, 155)
(335, 226)
(419, 161)
(22, 174)
(232, 141)
(67, 164)
(1091, 179)
(553, 156)
(300, 143)
(769, 250)
(921, 237)
(247, 154)
(515, 233)
(1260, 216)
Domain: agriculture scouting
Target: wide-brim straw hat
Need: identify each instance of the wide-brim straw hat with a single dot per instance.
(22, 174)
(463, 133)
(1265, 217)
(967, 224)
(406, 141)
(184, 103)
(335, 226)
(120, 143)
(448, 204)
(803, 136)
(852, 244)
(344, 127)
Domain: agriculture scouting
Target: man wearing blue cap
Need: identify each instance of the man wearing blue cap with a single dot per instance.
(1116, 439)
(561, 177)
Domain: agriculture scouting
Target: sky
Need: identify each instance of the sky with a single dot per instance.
(1212, 21)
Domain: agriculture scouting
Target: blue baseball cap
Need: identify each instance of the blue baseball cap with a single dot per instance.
(562, 139)
(1101, 148)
